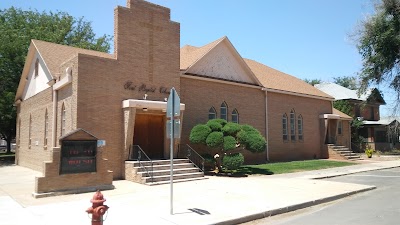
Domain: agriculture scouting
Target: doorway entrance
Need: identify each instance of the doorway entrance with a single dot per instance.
(149, 134)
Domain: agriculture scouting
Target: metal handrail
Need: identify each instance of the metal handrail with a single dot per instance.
(195, 158)
(140, 152)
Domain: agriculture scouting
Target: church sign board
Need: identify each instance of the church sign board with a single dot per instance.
(78, 156)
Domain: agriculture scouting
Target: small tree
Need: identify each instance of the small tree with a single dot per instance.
(313, 81)
(347, 82)
(224, 136)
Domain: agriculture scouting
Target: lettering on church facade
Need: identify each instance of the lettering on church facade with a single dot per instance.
(129, 85)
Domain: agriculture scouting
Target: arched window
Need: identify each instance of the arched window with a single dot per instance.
(37, 67)
(224, 111)
(46, 127)
(212, 114)
(63, 112)
(30, 131)
(284, 127)
(292, 125)
(235, 116)
(300, 127)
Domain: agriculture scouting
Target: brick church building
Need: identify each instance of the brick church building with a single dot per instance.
(70, 94)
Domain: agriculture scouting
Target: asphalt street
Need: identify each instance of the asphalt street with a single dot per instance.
(376, 207)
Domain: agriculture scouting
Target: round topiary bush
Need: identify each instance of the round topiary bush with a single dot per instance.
(233, 161)
(249, 128)
(214, 125)
(199, 134)
(231, 129)
(229, 143)
(215, 139)
(255, 142)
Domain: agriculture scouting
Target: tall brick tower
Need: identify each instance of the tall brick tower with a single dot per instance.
(148, 41)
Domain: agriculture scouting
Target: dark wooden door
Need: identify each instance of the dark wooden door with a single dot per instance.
(149, 134)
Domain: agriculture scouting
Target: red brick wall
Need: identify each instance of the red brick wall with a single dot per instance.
(310, 109)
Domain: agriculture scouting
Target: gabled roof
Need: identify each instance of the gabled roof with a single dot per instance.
(383, 121)
(341, 93)
(53, 56)
(206, 62)
(191, 54)
(276, 80)
(77, 135)
(341, 114)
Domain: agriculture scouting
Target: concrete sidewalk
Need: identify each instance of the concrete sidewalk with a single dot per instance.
(217, 200)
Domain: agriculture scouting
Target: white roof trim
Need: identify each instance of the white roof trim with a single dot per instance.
(146, 104)
(63, 82)
(329, 116)
(298, 94)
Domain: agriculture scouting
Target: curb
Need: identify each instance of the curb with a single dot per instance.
(291, 208)
(348, 173)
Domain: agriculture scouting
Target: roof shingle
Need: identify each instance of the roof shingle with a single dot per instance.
(277, 80)
(55, 54)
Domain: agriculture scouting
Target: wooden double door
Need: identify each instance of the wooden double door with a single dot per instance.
(149, 133)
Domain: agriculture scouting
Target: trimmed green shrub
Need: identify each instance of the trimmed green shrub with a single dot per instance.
(233, 161)
(214, 125)
(249, 128)
(255, 142)
(229, 143)
(215, 139)
(224, 136)
(242, 137)
(199, 134)
(231, 129)
(220, 121)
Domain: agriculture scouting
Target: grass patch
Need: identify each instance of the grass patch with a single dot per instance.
(6, 155)
(291, 167)
(7, 158)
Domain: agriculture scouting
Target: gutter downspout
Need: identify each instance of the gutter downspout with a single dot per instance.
(266, 121)
(54, 125)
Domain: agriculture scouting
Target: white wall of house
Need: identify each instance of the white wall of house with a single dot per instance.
(38, 83)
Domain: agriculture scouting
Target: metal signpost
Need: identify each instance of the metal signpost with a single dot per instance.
(173, 131)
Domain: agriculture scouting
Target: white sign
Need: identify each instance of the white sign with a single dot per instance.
(101, 143)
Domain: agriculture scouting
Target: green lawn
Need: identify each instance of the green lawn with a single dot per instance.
(12, 154)
(291, 167)
(6, 159)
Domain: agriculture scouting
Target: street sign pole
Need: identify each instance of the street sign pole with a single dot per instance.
(171, 156)
(173, 110)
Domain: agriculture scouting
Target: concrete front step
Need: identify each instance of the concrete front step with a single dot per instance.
(176, 181)
(344, 152)
(175, 177)
(184, 170)
(167, 167)
(160, 162)
(167, 172)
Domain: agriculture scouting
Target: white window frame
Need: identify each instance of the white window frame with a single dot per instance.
(292, 121)
(235, 116)
(300, 128)
(212, 113)
(224, 111)
(285, 135)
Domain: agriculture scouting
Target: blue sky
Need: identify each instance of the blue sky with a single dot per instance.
(304, 38)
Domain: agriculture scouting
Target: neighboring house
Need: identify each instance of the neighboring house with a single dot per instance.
(365, 107)
(386, 133)
(69, 98)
